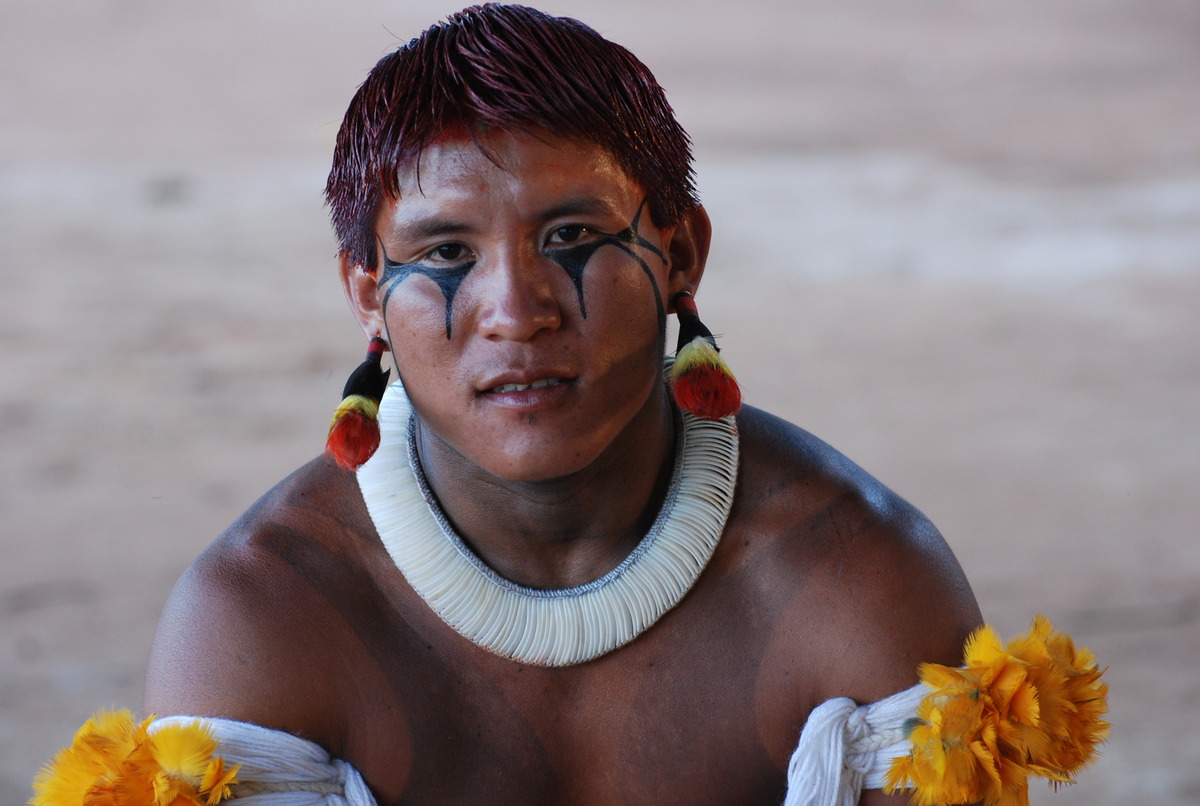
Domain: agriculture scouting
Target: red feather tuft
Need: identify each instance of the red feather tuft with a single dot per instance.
(353, 439)
(708, 392)
(701, 380)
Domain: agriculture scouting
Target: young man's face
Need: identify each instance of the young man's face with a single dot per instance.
(525, 300)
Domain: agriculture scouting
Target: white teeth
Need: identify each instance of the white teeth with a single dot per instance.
(540, 383)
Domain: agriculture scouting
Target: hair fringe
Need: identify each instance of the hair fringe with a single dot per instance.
(483, 69)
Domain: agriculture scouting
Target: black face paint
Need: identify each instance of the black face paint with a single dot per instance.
(447, 279)
(574, 259)
(571, 259)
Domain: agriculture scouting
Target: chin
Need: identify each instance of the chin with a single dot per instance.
(540, 468)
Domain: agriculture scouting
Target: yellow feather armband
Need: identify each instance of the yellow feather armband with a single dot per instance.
(1035, 707)
(117, 761)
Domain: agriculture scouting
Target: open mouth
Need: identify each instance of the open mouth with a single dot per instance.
(540, 383)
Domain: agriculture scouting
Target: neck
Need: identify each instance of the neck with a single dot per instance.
(563, 532)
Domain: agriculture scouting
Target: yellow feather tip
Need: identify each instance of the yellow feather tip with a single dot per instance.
(699, 352)
(183, 750)
(355, 403)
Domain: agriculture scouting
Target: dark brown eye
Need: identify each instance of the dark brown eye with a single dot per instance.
(450, 252)
(568, 234)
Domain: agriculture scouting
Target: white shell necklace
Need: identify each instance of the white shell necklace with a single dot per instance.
(549, 627)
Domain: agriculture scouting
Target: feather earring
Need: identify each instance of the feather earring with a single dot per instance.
(354, 431)
(700, 379)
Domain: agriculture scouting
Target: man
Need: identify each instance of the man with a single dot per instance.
(548, 585)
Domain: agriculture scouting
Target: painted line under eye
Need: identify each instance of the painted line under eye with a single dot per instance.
(574, 259)
(447, 279)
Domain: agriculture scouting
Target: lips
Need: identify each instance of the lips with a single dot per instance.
(540, 383)
(527, 379)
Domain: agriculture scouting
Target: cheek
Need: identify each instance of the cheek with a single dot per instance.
(625, 296)
(423, 358)
(414, 310)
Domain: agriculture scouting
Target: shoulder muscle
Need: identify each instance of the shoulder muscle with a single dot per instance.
(875, 590)
(245, 630)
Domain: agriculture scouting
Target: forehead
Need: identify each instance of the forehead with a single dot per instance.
(520, 170)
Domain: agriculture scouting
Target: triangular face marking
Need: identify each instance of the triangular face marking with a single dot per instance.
(574, 259)
(447, 279)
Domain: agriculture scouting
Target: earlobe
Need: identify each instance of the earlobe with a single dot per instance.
(362, 292)
(688, 253)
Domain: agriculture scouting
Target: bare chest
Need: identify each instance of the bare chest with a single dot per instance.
(461, 734)
(688, 712)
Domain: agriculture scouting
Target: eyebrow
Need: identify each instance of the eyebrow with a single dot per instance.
(431, 227)
(581, 205)
(435, 226)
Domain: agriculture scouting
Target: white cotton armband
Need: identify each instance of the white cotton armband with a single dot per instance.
(845, 748)
(280, 769)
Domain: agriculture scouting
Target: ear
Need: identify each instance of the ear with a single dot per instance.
(362, 292)
(688, 252)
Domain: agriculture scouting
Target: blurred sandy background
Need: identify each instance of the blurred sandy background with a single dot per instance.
(959, 240)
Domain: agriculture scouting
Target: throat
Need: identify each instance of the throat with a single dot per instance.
(563, 533)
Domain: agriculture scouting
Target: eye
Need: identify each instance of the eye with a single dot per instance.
(449, 252)
(568, 234)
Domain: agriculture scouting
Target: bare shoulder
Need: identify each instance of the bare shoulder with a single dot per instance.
(249, 627)
(864, 586)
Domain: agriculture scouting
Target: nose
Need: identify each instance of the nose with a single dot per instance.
(518, 298)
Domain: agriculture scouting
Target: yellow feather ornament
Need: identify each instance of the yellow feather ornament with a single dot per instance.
(1035, 707)
(115, 760)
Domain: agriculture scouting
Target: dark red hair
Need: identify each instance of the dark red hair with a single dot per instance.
(494, 68)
